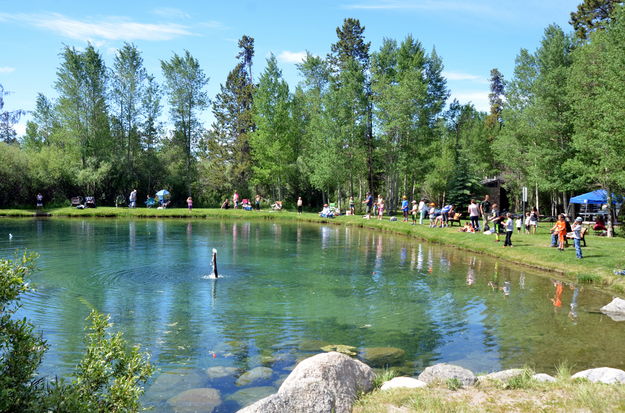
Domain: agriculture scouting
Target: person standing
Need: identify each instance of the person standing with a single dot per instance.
(422, 208)
(509, 225)
(257, 200)
(380, 208)
(559, 231)
(368, 204)
(577, 237)
(300, 205)
(235, 199)
(133, 198)
(352, 206)
(485, 209)
(39, 200)
(414, 211)
(533, 220)
(404, 207)
(474, 214)
(190, 203)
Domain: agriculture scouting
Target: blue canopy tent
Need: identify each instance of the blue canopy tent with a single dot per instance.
(600, 196)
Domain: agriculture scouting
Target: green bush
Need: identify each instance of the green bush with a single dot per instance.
(109, 377)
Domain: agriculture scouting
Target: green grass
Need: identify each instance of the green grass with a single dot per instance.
(601, 256)
(561, 396)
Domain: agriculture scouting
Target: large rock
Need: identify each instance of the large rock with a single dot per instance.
(542, 377)
(202, 400)
(443, 372)
(615, 309)
(219, 372)
(403, 383)
(602, 375)
(503, 375)
(383, 356)
(251, 394)
(328, 382)
(254, 375)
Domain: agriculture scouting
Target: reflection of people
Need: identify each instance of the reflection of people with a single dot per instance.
(557, 297)
(506, 288)
(573, 306)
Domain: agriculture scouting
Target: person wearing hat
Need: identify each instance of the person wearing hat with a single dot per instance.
(404, 207)
(577, 237)
(413, 212)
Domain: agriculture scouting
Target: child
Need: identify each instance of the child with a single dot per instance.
(519, 224)
(404, 208)
(352, 206)
(527, 222)
(190, 203)
(432, 213)
(509, 225)
(380, 209)
(414, 211)
(577, 237)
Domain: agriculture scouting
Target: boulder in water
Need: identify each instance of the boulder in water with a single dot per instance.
(200, 400)
(219, 372)
(170, 383)
(256, 374)
(615, 309)
(251, 394)
(383, 356)
(340, 348)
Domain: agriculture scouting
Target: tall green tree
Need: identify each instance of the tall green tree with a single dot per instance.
(273, 143)
(185, 84)
(597, 91)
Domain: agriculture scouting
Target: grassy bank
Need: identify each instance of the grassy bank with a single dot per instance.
(601, 257)
(525, 396)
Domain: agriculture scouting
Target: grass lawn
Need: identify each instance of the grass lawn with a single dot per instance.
(526, 396)
(601, 257)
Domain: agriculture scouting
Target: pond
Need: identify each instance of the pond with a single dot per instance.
(289, 289)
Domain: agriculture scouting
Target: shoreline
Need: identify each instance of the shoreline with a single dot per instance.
(602, 256)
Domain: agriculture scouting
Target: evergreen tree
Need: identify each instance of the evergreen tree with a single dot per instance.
(495, 98)
(592, 15)
(8, 120)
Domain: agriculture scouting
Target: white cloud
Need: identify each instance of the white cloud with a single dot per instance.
(291, 57)
(107, 28)
(431, 5)
(7, 69)
(464, 76)
(171, 12)
(479, 99)
(20, 128)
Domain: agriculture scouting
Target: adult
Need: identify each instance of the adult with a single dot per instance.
(39, 200)
(133, 198)
(422, 208)
(445, 211)
(326, 212)
(599, 224)
(509, 225)
(257, 200)
(533, 220)
(352, 206)
(226, 204)
(485, 209)
(404, 207)
(300, 205)
(235, 199)
(368, 205)
(190, 203)
(474, 215)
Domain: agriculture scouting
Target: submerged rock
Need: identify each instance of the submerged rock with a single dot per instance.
(219, 372)
(325, 383)
(248, 396)
(383, 356)
(312, 345)
(601, 375)
(340, 348)
(403, 383)
(201, 400)
(170, 383)
(256, 374)
(443, 372)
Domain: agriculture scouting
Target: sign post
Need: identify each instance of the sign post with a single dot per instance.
(524, 200)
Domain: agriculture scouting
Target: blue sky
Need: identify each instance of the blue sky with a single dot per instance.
(471, 36)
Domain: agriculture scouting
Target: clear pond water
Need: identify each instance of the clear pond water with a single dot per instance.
(287, 290)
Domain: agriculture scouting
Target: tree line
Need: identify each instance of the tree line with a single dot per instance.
(358, 120)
